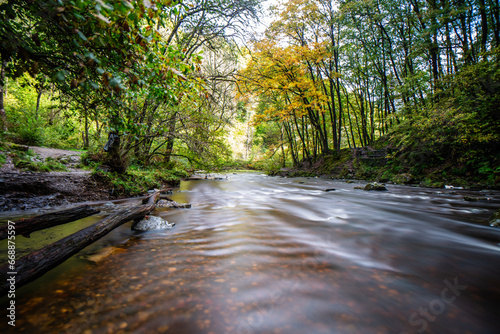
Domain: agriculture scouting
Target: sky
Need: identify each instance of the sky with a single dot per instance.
(266, 19)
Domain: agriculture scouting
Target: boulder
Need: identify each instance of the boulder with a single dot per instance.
(358, 188)
(375, 186)
(329, 189)
(150, 223)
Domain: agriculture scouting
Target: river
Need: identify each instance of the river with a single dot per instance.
(258, 254)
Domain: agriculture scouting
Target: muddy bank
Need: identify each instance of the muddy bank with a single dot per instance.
(24, 191)
(37, 177)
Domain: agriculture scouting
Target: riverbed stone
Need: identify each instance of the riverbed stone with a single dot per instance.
(375, 186)
(150, 223)
(495, 219)
(169, 204)
(476, 199)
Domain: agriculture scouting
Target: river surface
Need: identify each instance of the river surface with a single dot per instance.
(258, 254)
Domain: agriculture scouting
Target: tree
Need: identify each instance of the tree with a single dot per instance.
(344, 73)
(134, 66)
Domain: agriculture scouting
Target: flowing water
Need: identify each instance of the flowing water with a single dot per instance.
(257, 254)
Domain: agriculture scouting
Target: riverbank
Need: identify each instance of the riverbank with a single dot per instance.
(36, 177)
(389, 164)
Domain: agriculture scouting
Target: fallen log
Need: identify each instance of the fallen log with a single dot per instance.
(27, 226)
(34, 265)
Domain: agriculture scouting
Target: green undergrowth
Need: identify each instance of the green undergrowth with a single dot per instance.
(39, 166)
(453, 142)
(138, 180)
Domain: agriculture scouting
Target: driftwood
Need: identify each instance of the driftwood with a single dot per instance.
(27, 226)
(34, 265)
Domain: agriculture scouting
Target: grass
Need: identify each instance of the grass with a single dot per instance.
(25, 159)
(137, 181)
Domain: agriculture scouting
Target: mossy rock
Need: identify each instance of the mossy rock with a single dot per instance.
(16, 147)
(495, 219)
(404, 178)
(476, 199)
(375, 186)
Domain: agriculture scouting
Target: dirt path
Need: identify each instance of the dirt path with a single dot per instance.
(45, 152)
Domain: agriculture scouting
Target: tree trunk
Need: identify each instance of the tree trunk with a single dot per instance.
(34, 265)
(484, 27)
(495, 19)
(86, 133)
(27, 226)
(171, 137)
(116, 160)
(39, 91)
(3, 115)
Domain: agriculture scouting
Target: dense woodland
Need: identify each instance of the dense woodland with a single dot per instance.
(180, 82)
(75, 71)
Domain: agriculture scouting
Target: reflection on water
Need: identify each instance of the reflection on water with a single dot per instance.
(271, 255)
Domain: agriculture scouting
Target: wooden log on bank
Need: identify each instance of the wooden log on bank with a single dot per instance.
(34, 265)
(27, 226)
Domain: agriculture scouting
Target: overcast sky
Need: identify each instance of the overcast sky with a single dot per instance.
(266, 19)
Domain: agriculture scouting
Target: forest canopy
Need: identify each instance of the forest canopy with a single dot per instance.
(134, 69)
(335, 74)
(185, 79)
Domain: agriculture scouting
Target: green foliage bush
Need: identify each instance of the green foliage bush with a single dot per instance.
(137, 181)
(25, 162)
(29, 133)
(460, 136)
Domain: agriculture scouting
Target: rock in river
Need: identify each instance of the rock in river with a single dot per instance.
(476, 199)
(375, 186)
(495, 219)
(168, 204)
(150, 223)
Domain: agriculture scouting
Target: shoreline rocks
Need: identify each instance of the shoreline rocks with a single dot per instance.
(494, 220)
(152, 223)
(169, 204)
(375, 186)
